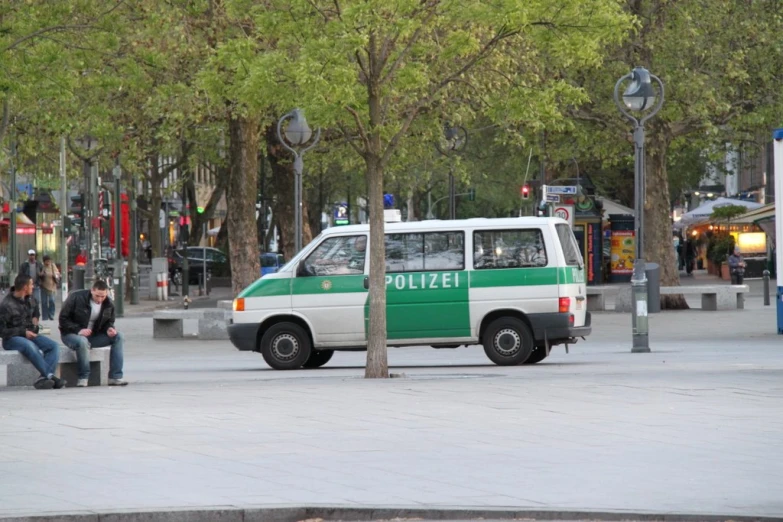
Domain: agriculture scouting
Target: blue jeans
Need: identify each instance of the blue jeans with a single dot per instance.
(47, 304)
(32, 349)
(81, 345)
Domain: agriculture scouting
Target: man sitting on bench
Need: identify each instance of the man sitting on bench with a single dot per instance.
(87, 321)
(19, 331)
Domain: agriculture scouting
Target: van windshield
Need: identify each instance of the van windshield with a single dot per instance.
(568, 242)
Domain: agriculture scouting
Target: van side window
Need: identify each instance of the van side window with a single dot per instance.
(343, 255)
(432, 251)
(570, 248)
(523, 248)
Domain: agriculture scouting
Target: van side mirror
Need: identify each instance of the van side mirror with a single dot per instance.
(301, 269)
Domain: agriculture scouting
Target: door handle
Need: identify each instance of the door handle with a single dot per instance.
(366, 282)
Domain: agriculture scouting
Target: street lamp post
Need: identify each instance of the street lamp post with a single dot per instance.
(298, 134)
(639, 97)
(119, 301)
(456, 139)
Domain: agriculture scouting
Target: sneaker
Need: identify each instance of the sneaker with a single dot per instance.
(43, 384)
(81, 383)
(117, 382)
(59, 383)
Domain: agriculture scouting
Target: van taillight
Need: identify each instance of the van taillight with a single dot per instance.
(239, 304)
(564, 305)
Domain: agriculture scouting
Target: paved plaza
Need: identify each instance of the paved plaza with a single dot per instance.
(696, 427)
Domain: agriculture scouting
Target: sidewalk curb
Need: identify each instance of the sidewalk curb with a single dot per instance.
(294, 514)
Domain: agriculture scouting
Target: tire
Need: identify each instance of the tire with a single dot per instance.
(538, 355)
(508, 341)
(286, 346)
(318, 358)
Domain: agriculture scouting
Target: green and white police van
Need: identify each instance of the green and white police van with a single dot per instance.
(516, 286)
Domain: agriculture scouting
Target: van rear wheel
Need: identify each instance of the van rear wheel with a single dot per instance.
(318, 358)
(286, 346)
(508, 341)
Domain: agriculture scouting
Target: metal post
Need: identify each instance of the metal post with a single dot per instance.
(14, 255)
(766, 287)
(63, 213)
(119, 266)
(204, 265)
(777, 135)
(134, 246)
(298, 168)
(452, 196)
(183, 238)
(642, 88)
(639, 319)
(90, 211)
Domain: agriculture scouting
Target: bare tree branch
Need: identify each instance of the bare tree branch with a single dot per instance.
(360, 127)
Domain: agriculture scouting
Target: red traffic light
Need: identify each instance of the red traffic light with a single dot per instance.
(525, 191)
(6, 207)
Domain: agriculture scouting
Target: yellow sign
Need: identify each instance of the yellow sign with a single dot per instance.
(623, 251)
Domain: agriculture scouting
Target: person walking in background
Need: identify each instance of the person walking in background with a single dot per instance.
(737, 267)
(50, 280)
(34, 269)
(19, 330)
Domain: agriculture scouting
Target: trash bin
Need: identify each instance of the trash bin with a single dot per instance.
(78, 278)
(653, 273)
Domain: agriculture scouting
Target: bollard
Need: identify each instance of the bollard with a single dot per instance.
(159, 285)
(165, 286)
(766, 287)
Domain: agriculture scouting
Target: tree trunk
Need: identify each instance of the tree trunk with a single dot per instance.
(377, 361)
(283, 203)
(658, 247)
(240, 191)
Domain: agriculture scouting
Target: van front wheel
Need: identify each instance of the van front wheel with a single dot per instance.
(285, 346)
(508, 341)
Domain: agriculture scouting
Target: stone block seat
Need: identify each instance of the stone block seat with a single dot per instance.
(713, 297)
(212, 323)
(16, 370)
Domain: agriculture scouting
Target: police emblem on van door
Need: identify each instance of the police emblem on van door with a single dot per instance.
(326, 285)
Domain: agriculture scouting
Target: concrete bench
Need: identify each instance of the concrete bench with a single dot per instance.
(16, 370)
(596, 297)
(212, 323)
(713, 297)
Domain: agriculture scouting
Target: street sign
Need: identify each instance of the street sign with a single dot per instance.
(567, 191)
(553, 198)
(565, 212)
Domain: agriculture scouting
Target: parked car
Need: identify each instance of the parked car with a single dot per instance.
(271, 263)
(216, 262)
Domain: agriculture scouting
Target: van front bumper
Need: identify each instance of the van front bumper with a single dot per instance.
(556, 326)
(243, 336)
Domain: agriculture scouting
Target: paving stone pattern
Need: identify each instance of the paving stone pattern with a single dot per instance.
(694, 427)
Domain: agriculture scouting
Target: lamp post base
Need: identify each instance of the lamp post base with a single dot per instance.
(639, 317)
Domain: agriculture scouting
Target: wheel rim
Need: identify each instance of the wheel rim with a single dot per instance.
(507, 342)
(285, 347)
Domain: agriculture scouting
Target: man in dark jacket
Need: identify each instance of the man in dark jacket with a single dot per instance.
(87, 321)
(34, 269)
(19, 330)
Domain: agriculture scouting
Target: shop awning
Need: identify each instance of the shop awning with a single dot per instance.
(21, 220)
(702, 213)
